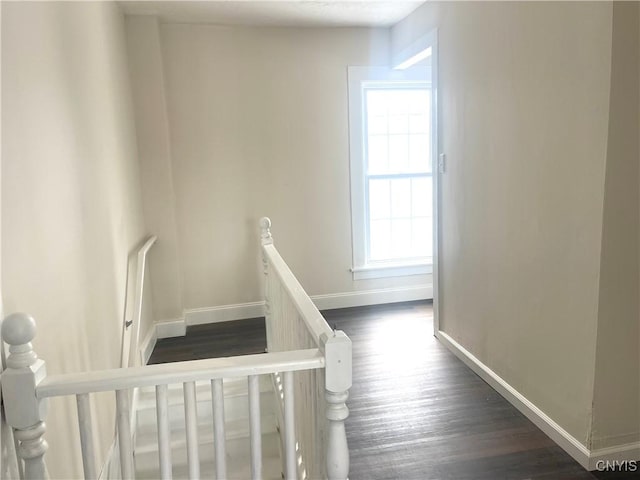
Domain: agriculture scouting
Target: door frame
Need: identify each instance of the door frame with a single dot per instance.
(414, 51)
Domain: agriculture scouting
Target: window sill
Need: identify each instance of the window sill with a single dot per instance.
(392, 270)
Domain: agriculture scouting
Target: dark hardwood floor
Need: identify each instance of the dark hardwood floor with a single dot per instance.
(225, 339)
(417, 412)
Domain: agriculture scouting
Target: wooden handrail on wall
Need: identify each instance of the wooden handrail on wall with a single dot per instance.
(131, 345)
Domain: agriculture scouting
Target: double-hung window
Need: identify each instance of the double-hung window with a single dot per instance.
(391, 171)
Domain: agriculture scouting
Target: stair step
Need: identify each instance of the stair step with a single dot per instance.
(236, 406)
(237, 456)
(147, 435)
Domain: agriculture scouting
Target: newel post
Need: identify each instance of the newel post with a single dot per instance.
(337, 350)
(265, 231)
(23, 410)
(266, 239)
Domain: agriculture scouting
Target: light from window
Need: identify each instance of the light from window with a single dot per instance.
(397, 129)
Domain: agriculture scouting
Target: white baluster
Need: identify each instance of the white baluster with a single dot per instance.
(23, 410)
(337, 447)
(268, 312)
(267, 239)
(164, 432)
(85, 423)
(254, 427)
(191, 422)
(291, 460)
(337, 350)
(124, 434)
(268, 315)
(217, 398)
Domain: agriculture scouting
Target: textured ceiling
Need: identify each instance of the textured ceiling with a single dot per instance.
(305, 13)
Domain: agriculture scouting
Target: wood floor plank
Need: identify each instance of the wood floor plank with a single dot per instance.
(225, 339)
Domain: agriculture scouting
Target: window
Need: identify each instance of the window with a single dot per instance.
(390, 129)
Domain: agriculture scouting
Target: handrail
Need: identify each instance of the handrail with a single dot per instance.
(130, 352)
(179, 372)
(293, 321)
(315, 322)
(313, 406)
(137, 312)
(130, 345)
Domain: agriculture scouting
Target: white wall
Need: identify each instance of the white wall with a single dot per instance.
(616, 401)
(258, 125)
(8, 463)
(524, 101)
(71, 206)
(152, 126)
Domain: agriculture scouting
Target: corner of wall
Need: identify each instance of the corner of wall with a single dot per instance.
(146, 70)
(616, 417)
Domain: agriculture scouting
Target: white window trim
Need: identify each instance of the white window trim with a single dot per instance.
(361, 269)
(391, 270)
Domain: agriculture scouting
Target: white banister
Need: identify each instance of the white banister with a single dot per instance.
(291, 458)
(217, 398)
(179, 372)
(23, 410)
(85, 423)
(164, 432)
(266, 239)
(254, 427)
(338, 354)
(337, 448)
(191, 424)
(293, 322)
(309, 314)
(31, 450)
(123, 414)
(311, 410)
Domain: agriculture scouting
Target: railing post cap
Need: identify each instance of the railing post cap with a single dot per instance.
(265, 223)
(338, 358)
(265, 235)
(18, 329)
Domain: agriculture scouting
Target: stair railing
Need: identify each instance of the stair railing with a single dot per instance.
(314, 448)
(314, 364)
(26, 388)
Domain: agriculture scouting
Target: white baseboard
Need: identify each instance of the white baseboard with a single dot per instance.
(372, 297)
(173, 328)
(223, 313)
(588, 459)
(148, 344)
(226, 313)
